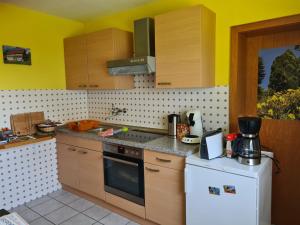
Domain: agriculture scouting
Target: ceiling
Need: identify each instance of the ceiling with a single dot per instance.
(80, 10)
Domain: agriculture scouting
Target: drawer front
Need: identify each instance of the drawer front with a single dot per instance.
(125, 204)
(164, 160)
(79, 142)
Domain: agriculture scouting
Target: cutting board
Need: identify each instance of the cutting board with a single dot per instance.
(34, 119)
(25, 123)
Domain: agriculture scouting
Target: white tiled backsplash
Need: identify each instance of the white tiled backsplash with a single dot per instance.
(146, 106)
(27, 172)
(149, 107)
(58, 105)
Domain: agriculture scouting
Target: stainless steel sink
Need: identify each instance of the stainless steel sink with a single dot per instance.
(96, 130)
(103, 128)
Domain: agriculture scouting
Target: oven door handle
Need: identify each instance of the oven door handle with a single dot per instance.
(121, 161)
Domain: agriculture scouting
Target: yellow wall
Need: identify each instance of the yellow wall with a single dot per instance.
(43, 34)
(229, 13)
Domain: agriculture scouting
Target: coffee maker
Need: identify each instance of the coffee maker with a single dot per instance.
(195, 122)
(194, 119)
(249, 150)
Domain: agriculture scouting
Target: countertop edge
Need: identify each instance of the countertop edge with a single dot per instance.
(9, 146)
(146, 145)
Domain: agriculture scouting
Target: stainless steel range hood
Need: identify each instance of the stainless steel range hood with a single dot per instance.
(143, 61)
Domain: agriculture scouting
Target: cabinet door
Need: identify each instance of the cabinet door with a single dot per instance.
(100, 50)
(91, 172)
(184, 46)
(164, 195)
(76, 62)
(67, 158)
(103, 46)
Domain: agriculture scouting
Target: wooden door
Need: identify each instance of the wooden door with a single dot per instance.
(76, 62)
(91, 172)
(67, 158)
(185, 48)
(164, 195)
(281, 136)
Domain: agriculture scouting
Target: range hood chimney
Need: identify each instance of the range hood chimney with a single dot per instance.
(143, 61)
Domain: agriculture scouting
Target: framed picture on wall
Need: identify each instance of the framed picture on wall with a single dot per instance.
(278, 89)
(16, 55)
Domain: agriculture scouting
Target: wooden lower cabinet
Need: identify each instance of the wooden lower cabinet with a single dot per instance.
(81, 169)
(91, 173)
(67, 165)
(164, 195)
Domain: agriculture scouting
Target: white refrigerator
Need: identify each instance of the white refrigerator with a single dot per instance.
(224, 192)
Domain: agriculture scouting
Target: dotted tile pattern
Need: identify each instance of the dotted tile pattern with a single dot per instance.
(27, 172)
(58, 105)
(149, 107)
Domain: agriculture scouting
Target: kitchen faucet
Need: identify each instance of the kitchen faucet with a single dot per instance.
(115, 111)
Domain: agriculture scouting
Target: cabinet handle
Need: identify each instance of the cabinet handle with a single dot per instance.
(152, 170)
(121, 161)
(94, 85)
(164, 83)
(163, 160)
(82, 86)
(72, 149)
(83, 152)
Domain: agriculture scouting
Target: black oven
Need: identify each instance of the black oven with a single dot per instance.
(124, 172)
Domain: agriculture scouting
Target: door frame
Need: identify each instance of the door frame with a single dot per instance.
(281, 136)
(237, 81)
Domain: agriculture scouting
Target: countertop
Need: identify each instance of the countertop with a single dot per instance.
(163, 144)
(231, 165)
(21, 142)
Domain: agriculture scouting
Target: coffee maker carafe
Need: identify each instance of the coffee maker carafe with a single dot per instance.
(249, 151)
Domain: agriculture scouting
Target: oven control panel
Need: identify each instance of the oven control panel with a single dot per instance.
(124, 150)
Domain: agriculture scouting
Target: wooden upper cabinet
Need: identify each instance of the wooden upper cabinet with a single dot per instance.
(76, 62)
(185, 48)
(95, 50)
(103, 46)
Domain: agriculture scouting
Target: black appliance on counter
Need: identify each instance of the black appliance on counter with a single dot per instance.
(124, 172)
(248, 144)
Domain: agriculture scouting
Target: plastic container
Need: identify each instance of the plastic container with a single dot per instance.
(83, 125)
(229, 139)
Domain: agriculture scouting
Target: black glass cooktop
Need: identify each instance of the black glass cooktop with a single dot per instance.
(136, 136)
